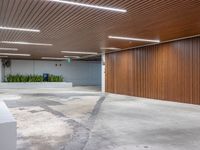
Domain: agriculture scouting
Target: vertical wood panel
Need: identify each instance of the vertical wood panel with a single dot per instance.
(196, 72)
(110, 73)
(169, 71)
(122, 74)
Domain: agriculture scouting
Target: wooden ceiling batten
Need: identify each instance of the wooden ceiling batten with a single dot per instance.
(76, 28)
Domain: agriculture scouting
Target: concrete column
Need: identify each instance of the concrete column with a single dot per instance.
(103, 81)
(1, 71)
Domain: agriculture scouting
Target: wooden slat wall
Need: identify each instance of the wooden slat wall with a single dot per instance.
(169, 71)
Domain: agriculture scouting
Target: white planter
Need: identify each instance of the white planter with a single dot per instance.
(23, 85)
(8, 130)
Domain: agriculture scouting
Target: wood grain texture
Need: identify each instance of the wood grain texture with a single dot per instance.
(74, 28)
(169, 71)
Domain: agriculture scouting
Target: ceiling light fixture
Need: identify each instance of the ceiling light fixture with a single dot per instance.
(9, 49)
(72, 56)
(26, 43)
(75, 52)
(90, 6)
(54, 58)
(3, 56)
(19, 29)
(110, 48)
(133, 39)
(14, 54)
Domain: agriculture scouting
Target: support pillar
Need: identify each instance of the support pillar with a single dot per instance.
(103, 61)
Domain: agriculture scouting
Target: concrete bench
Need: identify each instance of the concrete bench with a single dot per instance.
(8, 130)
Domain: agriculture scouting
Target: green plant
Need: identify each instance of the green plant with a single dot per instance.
(54, 78)
(32, 78)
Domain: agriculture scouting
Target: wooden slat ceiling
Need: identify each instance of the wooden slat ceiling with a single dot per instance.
(75, 28)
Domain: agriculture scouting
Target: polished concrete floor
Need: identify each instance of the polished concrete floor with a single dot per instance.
(83, 118)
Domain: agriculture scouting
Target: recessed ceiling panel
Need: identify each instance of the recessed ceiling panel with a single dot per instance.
(76, 28)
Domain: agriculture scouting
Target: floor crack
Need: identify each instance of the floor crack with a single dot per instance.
(81, 134)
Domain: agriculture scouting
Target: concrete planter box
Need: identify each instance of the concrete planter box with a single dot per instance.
(8, 130)
(17, 85)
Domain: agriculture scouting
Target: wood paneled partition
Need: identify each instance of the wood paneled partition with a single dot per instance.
(169, 71)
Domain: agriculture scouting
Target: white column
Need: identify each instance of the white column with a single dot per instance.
(1, 71)
(103, 81)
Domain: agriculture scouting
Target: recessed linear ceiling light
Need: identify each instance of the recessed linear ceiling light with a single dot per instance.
(72, 56)
(133, 39)
(19, 29)
(13, 54)
(54, 58)
(26, 43)
(75, 52)
(90, 6)
(110, 48)
(9, 49)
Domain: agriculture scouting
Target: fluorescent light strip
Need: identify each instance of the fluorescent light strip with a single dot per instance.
(54, 58)
(3, 56)
(9, 49)
(14, 54)
(26, 43)
(110, 48)
(19, 29)
(133, 39)
(90, 6)
(72, 56)
(75, 52)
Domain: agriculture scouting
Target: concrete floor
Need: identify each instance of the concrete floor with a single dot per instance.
(82, 118)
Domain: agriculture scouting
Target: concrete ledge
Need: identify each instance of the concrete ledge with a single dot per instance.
(8, 130)
(16, 85)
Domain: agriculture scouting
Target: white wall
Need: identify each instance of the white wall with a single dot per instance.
(77, 72)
